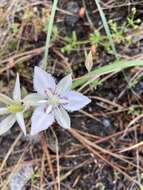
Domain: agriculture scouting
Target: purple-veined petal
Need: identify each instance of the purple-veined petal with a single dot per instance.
(3, 111)
(33, 99)
(64, 85)
(17, 91)
(43, 81)
(20, 121)
(76, 101)
(41, 120)
(62, 118)
(5, 99)
(7, 123)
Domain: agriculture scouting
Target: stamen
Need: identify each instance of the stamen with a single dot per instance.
(63, 101)
(49, 93)
(42, 101)
(54, 100)
(15, 107)
(48, 109)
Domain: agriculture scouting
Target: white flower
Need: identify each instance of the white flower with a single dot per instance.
(14, 108)
(56, 100)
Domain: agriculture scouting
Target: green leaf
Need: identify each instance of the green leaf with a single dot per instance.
(114, 67)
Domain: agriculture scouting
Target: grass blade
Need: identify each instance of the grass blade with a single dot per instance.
(49, 32)
(114, 67)
(106, 27)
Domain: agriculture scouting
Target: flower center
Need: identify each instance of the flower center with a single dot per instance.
(15, 107)
(54, 100)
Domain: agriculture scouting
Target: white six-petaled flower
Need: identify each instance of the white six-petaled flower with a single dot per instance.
(54, 101)
(14, 109)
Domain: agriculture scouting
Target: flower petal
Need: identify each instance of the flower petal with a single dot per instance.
(3, 111)
(64, 85)
(49, 109)
(32, 99)
(5, 99)
(62, 118)
(17, 91)
(20, 120)
(7, 123)
(43, 81)
(41, 120)
(76, 101)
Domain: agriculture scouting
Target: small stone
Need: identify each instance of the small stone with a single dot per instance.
(108, 127)
(73, 8)
(106, 123)
(3, 3)
(33, 139)
(19, 180)
(139, 88)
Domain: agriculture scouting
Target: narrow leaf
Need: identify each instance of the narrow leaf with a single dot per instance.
(110, 68)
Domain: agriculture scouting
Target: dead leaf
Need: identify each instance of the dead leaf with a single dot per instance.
(89, 61)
